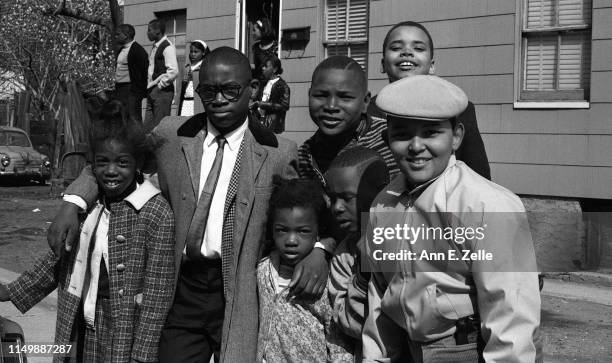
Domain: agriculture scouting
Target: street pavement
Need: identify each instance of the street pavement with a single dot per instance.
(39, 323)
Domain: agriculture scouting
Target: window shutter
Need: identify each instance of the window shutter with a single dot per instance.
(574, 60)
(574, 12)
(347, 27)
(540, 62)
(540, 14)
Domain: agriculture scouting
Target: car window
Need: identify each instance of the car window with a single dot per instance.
(12, 138)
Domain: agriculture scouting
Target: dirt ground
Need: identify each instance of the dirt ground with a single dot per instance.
(573, 330)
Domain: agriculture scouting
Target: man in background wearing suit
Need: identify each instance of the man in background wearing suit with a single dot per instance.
(131, 71)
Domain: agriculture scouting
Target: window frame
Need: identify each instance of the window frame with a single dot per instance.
(559, 98)
(348, 42)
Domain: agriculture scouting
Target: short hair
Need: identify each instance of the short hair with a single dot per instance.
(128, 30)
(302, 193)
(413, 24)
(227, 55)
(276, 63)
(342, 62)
(372, 173)
(159, 25)
(114, 124)
(267, 29)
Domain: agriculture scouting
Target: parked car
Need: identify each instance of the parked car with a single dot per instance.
(18, 159)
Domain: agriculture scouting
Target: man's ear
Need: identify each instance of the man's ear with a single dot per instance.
(458, 132)
(432, 68)
(366, 102)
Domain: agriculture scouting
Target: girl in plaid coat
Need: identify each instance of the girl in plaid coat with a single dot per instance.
(115, 287)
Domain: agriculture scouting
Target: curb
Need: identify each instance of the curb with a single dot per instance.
(49, 302)
(582, 277)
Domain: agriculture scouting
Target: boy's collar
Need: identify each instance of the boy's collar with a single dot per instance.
(192, 126)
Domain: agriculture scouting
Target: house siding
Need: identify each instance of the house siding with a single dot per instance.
(545, 152)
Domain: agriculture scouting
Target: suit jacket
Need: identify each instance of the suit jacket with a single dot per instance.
(472, 150)
(179, 160)
(138, 65)
(140, 276)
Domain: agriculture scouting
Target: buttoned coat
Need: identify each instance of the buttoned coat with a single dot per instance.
(140, 277)
(179, 159)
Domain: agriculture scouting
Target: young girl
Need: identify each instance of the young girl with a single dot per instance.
(295, 329)
(408, 50)
(265, 44)
(197, 51)
(115, 288)
(274, 101)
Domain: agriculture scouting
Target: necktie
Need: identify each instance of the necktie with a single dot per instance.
(195, 234)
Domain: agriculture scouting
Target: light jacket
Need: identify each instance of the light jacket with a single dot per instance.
(421, 299)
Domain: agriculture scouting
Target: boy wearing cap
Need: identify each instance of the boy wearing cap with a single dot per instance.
(437, 293)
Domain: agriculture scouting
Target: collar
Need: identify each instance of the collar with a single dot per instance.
(143, 193)
(129, 44)
(160, 41)
(233, 138)
(196, 66)
(398, 186)
(193, 125)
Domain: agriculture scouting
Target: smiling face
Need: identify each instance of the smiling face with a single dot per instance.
(342, 185)
(224, 114)
(408, 53)
(337, 99)
(295, 231)
(114, 167)
(422, 148)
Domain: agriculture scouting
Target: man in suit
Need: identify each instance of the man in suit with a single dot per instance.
(130, 72)
(162, 71)
(215, 309)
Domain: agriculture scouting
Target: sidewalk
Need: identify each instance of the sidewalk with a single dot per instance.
(38, 324)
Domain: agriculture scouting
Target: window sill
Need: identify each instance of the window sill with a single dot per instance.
(553, 104)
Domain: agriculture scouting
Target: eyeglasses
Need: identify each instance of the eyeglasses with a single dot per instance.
(230, 92)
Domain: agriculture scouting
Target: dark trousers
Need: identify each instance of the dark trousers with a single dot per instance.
(159, 104)
(130, 100)
(193, 328)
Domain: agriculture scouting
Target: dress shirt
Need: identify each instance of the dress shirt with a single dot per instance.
(211, 246)
(122, 73)
(170, 61)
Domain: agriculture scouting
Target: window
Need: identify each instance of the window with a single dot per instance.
(346, 29)
(555, 50)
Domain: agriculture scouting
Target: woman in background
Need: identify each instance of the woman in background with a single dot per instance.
(197, 51)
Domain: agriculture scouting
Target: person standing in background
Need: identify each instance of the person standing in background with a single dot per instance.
(187, 102)
(130, 72)
(163, 69)
(264, 46)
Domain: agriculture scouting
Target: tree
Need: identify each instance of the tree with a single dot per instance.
(47, 43)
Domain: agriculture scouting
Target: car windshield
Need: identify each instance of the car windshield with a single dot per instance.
(14, 138)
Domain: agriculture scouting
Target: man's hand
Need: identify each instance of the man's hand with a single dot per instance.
(64, 230)
(4, 294)
(310, 275)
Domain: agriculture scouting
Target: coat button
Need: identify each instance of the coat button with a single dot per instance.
(120, 238)
(121, 292)
(120, 267)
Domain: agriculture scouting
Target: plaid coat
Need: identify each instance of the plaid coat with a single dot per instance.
(141, 276)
